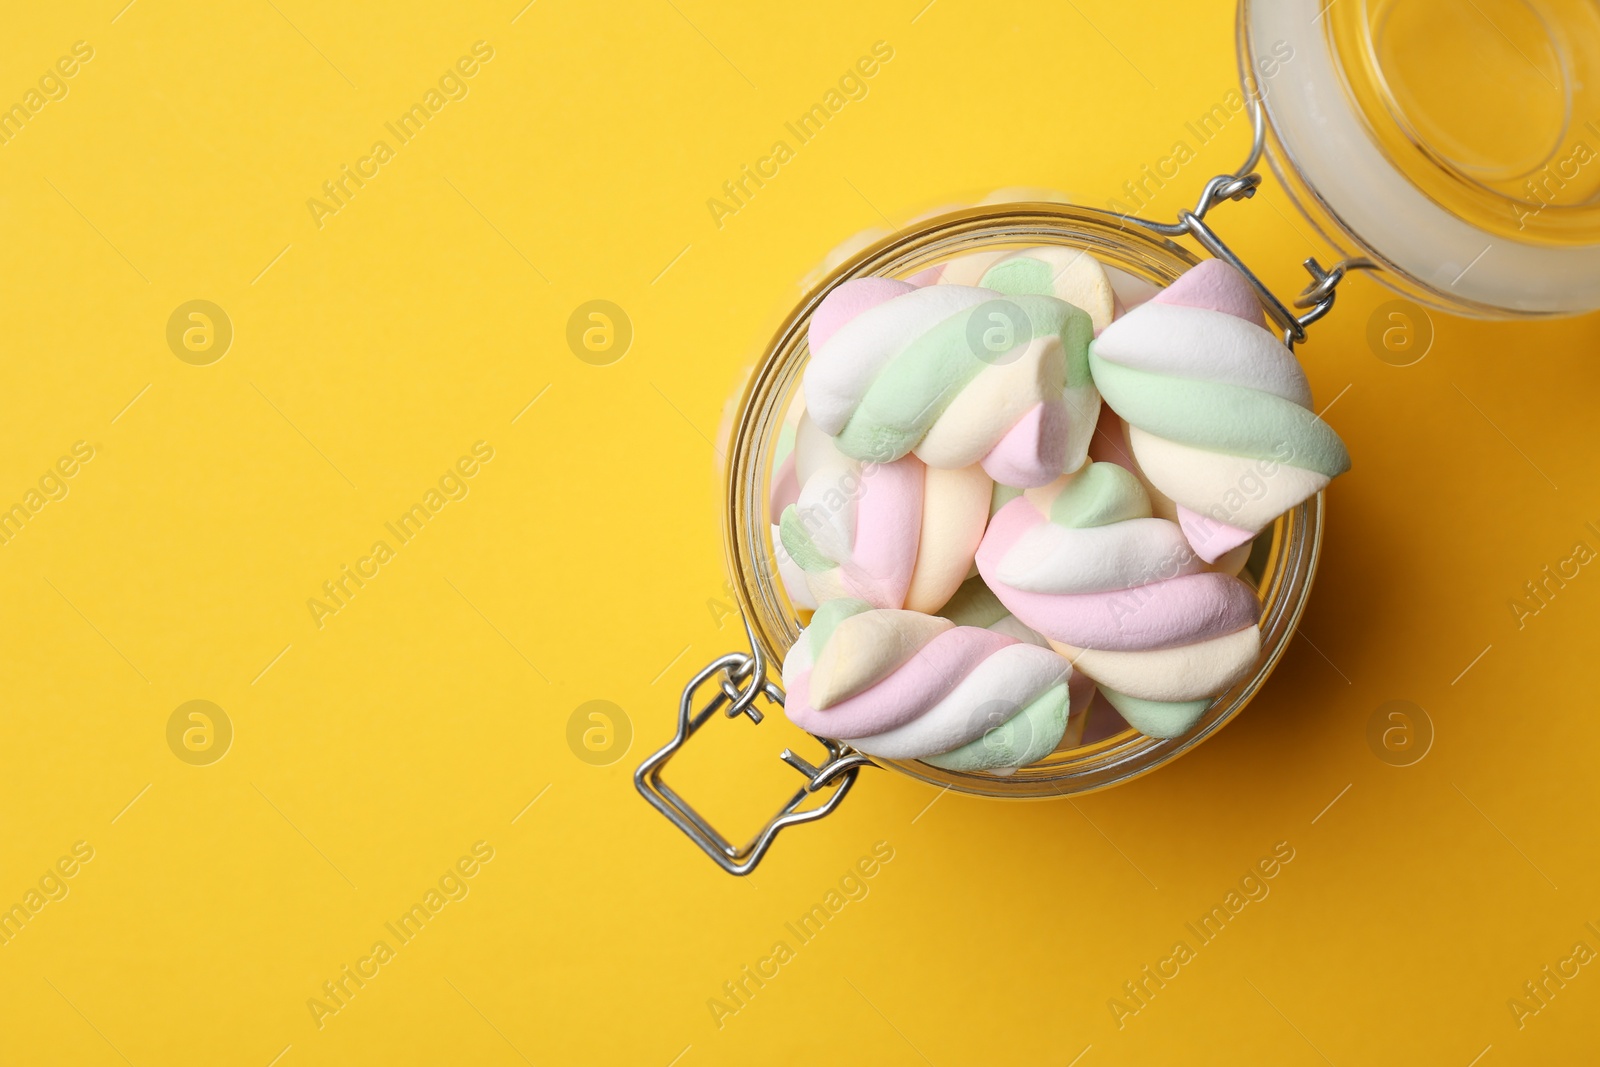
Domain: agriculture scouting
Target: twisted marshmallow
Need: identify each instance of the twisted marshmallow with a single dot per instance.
(895, 535)
(897, 369)
(1121, 595)
(1218, 410)
(904, 685)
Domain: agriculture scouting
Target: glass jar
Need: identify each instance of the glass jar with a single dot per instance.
(1365, 129)
(1454, 145)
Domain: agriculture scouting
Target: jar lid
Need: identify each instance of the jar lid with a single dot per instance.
(1458, 145)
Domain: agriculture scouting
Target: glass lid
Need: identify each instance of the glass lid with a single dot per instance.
(1453, 142)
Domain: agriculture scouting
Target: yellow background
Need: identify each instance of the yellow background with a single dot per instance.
(369, 754)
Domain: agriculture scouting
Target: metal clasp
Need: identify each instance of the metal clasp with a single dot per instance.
(736, 681)
(1318, 297)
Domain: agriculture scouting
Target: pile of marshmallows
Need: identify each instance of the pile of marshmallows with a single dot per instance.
(983, 544)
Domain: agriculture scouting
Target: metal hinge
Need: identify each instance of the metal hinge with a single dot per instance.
(736, 681)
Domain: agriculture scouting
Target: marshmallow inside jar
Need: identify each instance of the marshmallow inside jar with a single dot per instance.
(951, 382)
